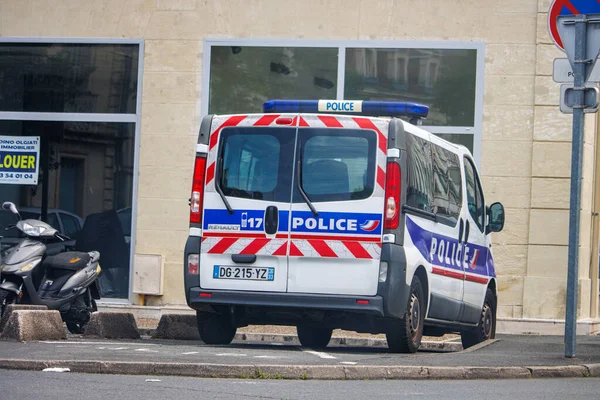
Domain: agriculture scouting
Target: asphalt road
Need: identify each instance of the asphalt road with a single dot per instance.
(508, 351)
(66, 386)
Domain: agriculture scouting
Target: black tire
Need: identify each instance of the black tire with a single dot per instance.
(215, 328)
(78, 317)
(314, 336)
(404, 335)
(3, 300)
(486, 328)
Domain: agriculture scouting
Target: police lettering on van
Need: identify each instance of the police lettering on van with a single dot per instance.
(317, 214)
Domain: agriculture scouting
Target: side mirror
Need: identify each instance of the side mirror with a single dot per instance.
(496, 218)
(7, 205)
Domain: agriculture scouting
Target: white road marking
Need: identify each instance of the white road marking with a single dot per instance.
(189, 352)
(152, 380)
(56, 370)
(147, 350)
(231, 355)
(117, 348)
(348, 363)
(320, 354)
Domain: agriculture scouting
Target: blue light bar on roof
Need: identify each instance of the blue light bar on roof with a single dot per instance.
(355, 107)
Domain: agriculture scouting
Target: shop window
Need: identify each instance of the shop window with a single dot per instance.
(444, 79)
(69, 78)
(242, 78)
(86, 193)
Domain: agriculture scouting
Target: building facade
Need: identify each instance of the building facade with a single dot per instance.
(138, 75)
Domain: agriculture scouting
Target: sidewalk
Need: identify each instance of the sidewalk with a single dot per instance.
(506, 357)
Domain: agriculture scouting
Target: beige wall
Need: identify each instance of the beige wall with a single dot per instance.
(525, 141)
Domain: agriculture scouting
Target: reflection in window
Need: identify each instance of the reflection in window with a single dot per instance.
(73, 78)
(474, 195)
(336, 166)
(447, 194)
(242, 78)
(420, 173)
(461, 139)
(444, 79)
(91, 176)
(257, 163)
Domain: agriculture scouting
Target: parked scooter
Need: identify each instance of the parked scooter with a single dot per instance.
(66, 281)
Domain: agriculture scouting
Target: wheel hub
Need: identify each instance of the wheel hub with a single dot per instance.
(486, 322)
(415, 315)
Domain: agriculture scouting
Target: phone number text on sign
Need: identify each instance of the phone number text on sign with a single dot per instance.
(19, 160)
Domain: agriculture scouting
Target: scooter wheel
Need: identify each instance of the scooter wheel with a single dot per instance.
(76, 329)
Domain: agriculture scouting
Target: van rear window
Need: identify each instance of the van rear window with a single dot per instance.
(337, 164)
(257, 163)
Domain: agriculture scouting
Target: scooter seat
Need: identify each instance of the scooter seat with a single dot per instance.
(71, 260)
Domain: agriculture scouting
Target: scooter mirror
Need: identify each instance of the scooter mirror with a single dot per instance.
(7, 205)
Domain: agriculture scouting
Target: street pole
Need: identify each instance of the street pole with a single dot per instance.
(576, 161)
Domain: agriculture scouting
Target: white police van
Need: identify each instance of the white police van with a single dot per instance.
(317, 214)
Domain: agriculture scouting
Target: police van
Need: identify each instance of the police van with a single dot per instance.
(320, 215)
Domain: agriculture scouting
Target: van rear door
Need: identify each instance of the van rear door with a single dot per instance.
(247, 204)
(340, 170)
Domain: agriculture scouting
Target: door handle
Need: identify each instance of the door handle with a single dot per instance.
(461, 230)
(243, 258)
(271, 220)
(467, 231)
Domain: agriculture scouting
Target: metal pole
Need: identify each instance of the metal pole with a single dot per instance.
(576, 156)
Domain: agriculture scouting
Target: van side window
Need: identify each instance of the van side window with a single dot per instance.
(420, 173)
(447, 193)
(474, 195)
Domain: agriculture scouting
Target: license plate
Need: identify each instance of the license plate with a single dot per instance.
(244, 273)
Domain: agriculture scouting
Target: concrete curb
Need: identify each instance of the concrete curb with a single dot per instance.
(112, 326)
(318, 372)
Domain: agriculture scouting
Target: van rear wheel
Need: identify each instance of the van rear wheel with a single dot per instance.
(215, 328)
(314, 336)
(404, 335)
(486, 328)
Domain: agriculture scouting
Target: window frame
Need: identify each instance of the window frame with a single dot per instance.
(342, 45)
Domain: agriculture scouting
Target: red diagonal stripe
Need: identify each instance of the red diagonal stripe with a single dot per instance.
(223, 245)
(380, 177)
(357, 249)
(366, 123)
(266, 120)
(330, 122)
(282, 251)
(232, 121)
(255, 246)
(210, 173)
(303, 122)
(295, 251)
(322, 248)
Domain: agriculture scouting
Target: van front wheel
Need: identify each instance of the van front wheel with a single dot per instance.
(404, 335)
(486, 328)
(215, 328)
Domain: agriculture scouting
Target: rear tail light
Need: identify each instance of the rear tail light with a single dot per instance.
(362, 302)
(197, 190)
(392, 196)
(193, 262)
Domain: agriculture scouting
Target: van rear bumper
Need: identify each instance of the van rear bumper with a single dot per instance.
(286, 300)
